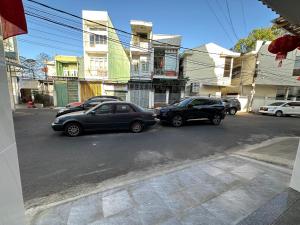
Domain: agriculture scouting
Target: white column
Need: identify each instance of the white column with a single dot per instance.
(295, 181)
(151, 99)
(167, 95)
(11, 199)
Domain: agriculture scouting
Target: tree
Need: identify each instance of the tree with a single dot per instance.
(265, 34)
(35, 66)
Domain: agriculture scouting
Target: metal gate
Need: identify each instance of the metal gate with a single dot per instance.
(139, 94)
(61, 93)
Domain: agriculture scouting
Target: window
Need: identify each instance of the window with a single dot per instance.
(124, 108)
(296, 71)
(96, 39)
(236, 72)
(227, 66)
(144, 64)
(142, 35)
(294, 103)
(105, 109)
(98, 63)
(197, 102)
(135, 66)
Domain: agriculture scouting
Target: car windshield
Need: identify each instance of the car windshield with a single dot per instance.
(184, 102)
(276, 103)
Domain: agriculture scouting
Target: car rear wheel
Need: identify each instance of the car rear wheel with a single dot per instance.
(73, 129)
(136, 127)
(216, 120)
(278, 113)
(232, 111)
(177, 121)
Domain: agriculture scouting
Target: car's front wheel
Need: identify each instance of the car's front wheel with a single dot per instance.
(278, 113)
(216, 120)
(177, 121)
(73, 129)
(136, 127)
(232, 111)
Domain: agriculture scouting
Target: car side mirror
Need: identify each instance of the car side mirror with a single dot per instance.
(190, 106)
(93, 112)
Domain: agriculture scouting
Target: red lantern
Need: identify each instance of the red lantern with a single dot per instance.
(282, 45)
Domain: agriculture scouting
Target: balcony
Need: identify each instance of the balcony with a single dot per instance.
(97, 48)
(164, 74)
(139, 47)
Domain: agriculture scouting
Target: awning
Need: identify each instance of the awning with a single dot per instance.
(283, 23)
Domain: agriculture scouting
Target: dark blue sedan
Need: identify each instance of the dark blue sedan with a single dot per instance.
(105, 116)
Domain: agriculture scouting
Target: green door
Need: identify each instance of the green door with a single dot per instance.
(61, 93)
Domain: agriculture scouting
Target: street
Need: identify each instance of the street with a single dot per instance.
(51, 162)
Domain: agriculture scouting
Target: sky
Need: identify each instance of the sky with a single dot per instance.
(197, 21)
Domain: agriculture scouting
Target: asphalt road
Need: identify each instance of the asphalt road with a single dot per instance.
(51, 162)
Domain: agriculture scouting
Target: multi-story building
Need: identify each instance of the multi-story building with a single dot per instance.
(13, 68)
(65, 72)
(168, 84)
(208, 69)
(141, 56)
(106, 63)
(257, 76)
(154, 77)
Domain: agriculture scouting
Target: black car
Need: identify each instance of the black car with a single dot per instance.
(232, 105)
(85, 106)
(106, 116)
(192, 108)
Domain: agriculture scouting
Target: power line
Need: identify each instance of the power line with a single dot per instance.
(218, 20)
(119, 30)
(231, 24)
(111, 39)
(243, 15)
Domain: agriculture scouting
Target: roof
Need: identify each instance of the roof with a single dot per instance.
(66, 59)
(283, 23)
(212, 48)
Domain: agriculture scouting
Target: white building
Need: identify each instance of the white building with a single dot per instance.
(208, 69)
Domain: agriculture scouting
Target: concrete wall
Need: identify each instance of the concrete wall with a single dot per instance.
(11, 200)
(269, 72)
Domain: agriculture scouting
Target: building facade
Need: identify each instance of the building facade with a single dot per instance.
(257, 76)
(106, 63)
(208, 69)
(65, 71)
(154, 70)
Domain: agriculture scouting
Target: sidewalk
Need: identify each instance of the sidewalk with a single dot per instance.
(219, 191)
(282, 151)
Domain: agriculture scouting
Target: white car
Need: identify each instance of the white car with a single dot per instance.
(281, 108)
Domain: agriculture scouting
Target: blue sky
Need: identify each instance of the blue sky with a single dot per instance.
(195, 20)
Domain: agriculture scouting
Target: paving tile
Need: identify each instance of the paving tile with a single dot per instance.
(185, 178)
(230, 179)
(153, 213)
(169, 183)
(269, 212)
(128, 217)
(211, 170)
(116, 203)
(201, 193)
(55, 216)
(228, 163)
(178, 201)
(247, 171)
(85, 210)
(144, 193)
(225, 210)
(291, 216)
(199, 216)
(172, 221)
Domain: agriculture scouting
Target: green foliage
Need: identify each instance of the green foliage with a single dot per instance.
(265, 34)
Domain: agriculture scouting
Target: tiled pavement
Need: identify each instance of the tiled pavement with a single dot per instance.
(228, 190)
